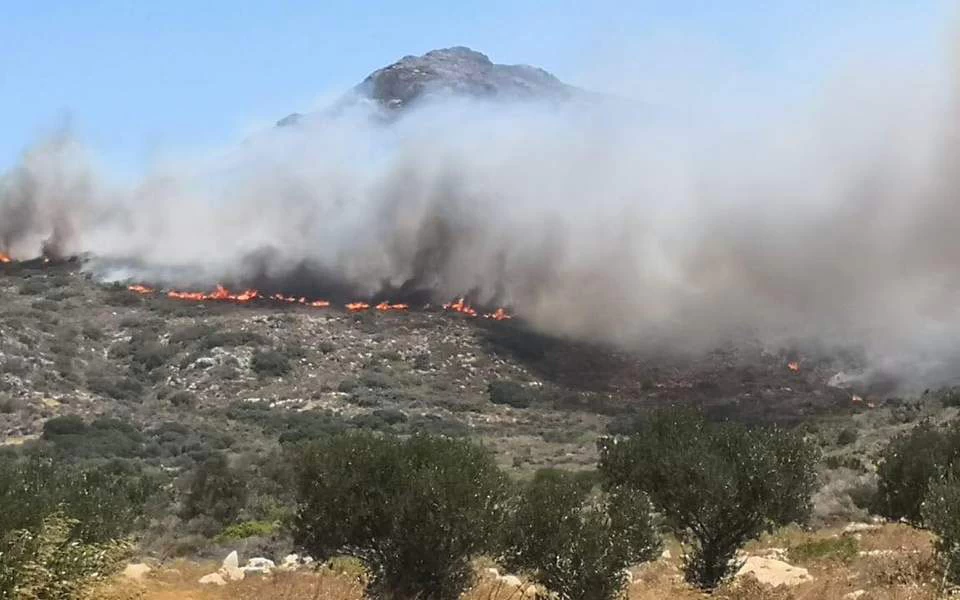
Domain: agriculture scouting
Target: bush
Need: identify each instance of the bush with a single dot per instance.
(47, 563)
(247, 529)
(841, 549)
(270, 363)
(216, 490)
(717, 484)
(510, 393)
(576, 545)
(183, 399)
(414, 511)
(941, 512)
(847, 436)
(104, 437)
(907, 466)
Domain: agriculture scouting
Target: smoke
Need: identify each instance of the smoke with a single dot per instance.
(835, 223)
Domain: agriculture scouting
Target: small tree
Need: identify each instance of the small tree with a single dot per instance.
(941, 512)
(908, 465)
(216, 490)
(414, 511)
(717, 484)
(575, 544)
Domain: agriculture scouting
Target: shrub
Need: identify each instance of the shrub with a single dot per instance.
(847, 436)
(941, 512)
(510, 393)
(270, 363)
(414, 511)
(104, 437)
(842, 549)
(216, 490)
(47, 563)
(183, 399)
(908, 464)
(576, 545)
(247, 529)
(718, 485)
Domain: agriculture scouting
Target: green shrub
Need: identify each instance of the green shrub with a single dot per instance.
(575, 544)
(247, 529)
(216, 490)
(270, 363)
(47, 563)
(183, 399)
(415, 511)
(907, 466)
(842, 549)
(103, 437)
(941, 513)
(718, 485)
(510, 393)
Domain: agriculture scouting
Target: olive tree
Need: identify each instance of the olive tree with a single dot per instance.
(717, 485)
(415, 511)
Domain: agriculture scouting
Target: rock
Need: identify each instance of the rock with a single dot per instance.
(136, 571)
(854, 594)
(774, 572)
(666, 555)
(492, 572)
(212, 579)
(259, 565)
(290, 562)
(231, 568)
(859, 528)
(510, 580)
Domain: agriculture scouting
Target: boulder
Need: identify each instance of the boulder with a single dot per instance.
(259, 565)
(510, 581)
(859, 528)
(773, 572)
(230, 569)
(854, 594)
(212, 579)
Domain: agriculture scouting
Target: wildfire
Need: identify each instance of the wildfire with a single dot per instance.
(794, 366)
(358, 306)
(220, 294)
(140, 289)
(387, 307)
(498, 315)
(5, 258)
(462, 307)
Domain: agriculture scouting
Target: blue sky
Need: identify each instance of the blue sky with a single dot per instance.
(136, 80)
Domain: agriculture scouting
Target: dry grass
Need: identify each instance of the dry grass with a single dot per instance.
(895, 562)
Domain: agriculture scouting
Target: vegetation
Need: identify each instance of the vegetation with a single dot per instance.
(908, 465)
(270, 363)
(717, 484)
(941, 512)
(216, 490)
(510, 393)
(415, 511)
(575, 543)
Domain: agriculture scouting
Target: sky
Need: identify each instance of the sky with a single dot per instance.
(137, 81)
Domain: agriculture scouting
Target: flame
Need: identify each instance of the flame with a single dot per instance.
(5, 258)
(357, 306)
(461, 307)
(387, 307)
(320, 304)
(140, 289)
(794, 366)
(221, 294)
(301, 300)
(498, 315)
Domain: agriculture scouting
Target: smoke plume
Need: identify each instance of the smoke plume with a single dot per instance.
(836, 223)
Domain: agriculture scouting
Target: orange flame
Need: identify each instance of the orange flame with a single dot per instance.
(794, 366)
(221, 294)
(357, 306)
(498, 315)
(140, 289)
(387, 307)
(5, 258)
(461, 307)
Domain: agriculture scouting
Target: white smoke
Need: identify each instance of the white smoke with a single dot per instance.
(836, 223)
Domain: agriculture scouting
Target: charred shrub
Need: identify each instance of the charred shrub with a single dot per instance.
(908, 465)
(575, 543)
(270, 363)
(718, 485)
(847, 436)
(415, 511)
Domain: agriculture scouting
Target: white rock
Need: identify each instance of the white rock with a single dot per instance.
(532, 591)
(136, 571)
(510, 580)
(212, 579)
(492, 572)
(774, 572)
(259, 565)
(666, 555)
(231, 567)
(854, 594)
